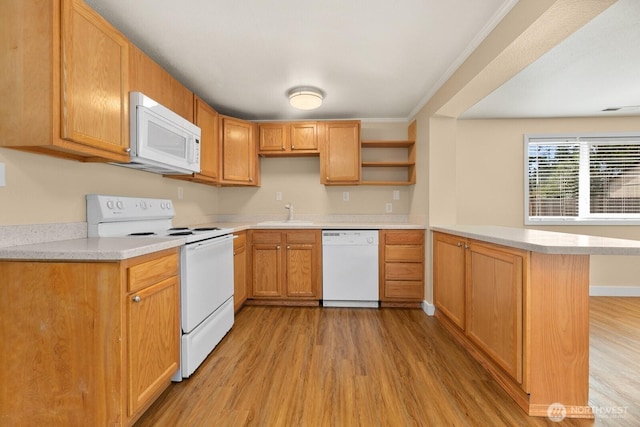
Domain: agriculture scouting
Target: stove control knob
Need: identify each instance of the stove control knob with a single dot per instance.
(110, 204)
(119, 204)
(168, 205)
(143, 205)
(163, 205)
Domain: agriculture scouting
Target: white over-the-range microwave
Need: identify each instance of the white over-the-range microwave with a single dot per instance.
(161, 141)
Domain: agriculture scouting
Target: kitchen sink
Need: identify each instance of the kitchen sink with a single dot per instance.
(285, 223)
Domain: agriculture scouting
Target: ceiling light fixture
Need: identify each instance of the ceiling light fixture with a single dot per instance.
(305, 98)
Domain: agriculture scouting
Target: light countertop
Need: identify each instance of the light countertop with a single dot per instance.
(91, 248)
(547, 242)
(119, 248)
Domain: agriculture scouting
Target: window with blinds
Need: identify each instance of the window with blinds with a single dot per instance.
(582, 178)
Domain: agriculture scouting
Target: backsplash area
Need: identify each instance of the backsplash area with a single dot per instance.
(12, 235)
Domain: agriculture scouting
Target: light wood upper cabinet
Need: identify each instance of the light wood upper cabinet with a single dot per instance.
(340, 154)
(148, 77)
(288, 139)
(66, 89)
(239, 152)
(207, 119)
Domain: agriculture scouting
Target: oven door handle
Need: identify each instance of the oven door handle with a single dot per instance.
(210, 242)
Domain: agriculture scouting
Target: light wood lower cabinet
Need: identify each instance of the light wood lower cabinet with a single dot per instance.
(285, 265)
(240, 291)
(87, 343)
(523, 315)
(401, 267)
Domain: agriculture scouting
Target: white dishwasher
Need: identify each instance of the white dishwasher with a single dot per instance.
(350, 268)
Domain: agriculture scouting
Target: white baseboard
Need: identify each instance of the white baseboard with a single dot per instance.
(428, 308)
(614, 291)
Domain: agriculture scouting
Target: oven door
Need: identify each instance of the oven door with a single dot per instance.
(206, 275)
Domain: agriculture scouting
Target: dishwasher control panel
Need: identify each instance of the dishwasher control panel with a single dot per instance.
(350, 237)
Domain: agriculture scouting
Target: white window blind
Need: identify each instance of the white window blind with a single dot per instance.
(578, 178)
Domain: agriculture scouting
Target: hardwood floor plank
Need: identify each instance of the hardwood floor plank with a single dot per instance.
(311, 366)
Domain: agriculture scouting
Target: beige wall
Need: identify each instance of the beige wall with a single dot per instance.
(490, 183)
(475, 173)
(42, 189)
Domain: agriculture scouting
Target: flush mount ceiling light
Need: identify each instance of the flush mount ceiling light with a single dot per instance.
(305, 98)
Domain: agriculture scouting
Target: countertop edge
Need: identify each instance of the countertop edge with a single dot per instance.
(546, 242)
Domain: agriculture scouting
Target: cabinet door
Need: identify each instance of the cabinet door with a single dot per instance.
(239, 270)
(238, 152)
(449, 276)
(148, 77)
(340, 159)
(153, 340)
(266, 270)
(494, 305)
(207, 119)
(273, 137)
(94, 92)
(302, 264)
(304, 137)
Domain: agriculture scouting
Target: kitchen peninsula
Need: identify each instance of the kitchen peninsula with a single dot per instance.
(518, 301)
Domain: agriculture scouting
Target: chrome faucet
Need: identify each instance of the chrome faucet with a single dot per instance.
(289, 206)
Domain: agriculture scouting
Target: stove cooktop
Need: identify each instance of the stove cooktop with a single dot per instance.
(119, 216)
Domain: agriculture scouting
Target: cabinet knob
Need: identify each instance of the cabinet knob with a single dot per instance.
(283, 148)
(292, 147)
(136, 298)
(278, 247)
(466, 246)
(288, 247)
(459, 244)
(127, 150)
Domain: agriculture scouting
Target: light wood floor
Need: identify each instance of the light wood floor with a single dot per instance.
(284, 366)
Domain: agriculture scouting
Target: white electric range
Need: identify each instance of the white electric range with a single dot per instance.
(206, 267)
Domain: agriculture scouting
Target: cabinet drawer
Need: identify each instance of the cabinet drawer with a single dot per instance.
(403, 271)
(147, 273)
(240, 241)
(403, 253)
(311, 236)
(405, 289)
(409, 237)
(272, 237)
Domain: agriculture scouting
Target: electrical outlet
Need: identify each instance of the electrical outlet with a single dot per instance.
(345, 196)
(396, 194)
(278, 195)
(389, 207)
(180, 193)
(3, 178)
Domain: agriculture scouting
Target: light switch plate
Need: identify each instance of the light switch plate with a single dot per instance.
(3, 178)
(345, 196)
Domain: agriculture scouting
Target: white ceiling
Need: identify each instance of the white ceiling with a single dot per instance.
(374, 59)
(596, 68)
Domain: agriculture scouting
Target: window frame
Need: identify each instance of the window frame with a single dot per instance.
(584, 181)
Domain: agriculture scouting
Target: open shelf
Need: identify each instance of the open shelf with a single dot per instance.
(388, 162)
